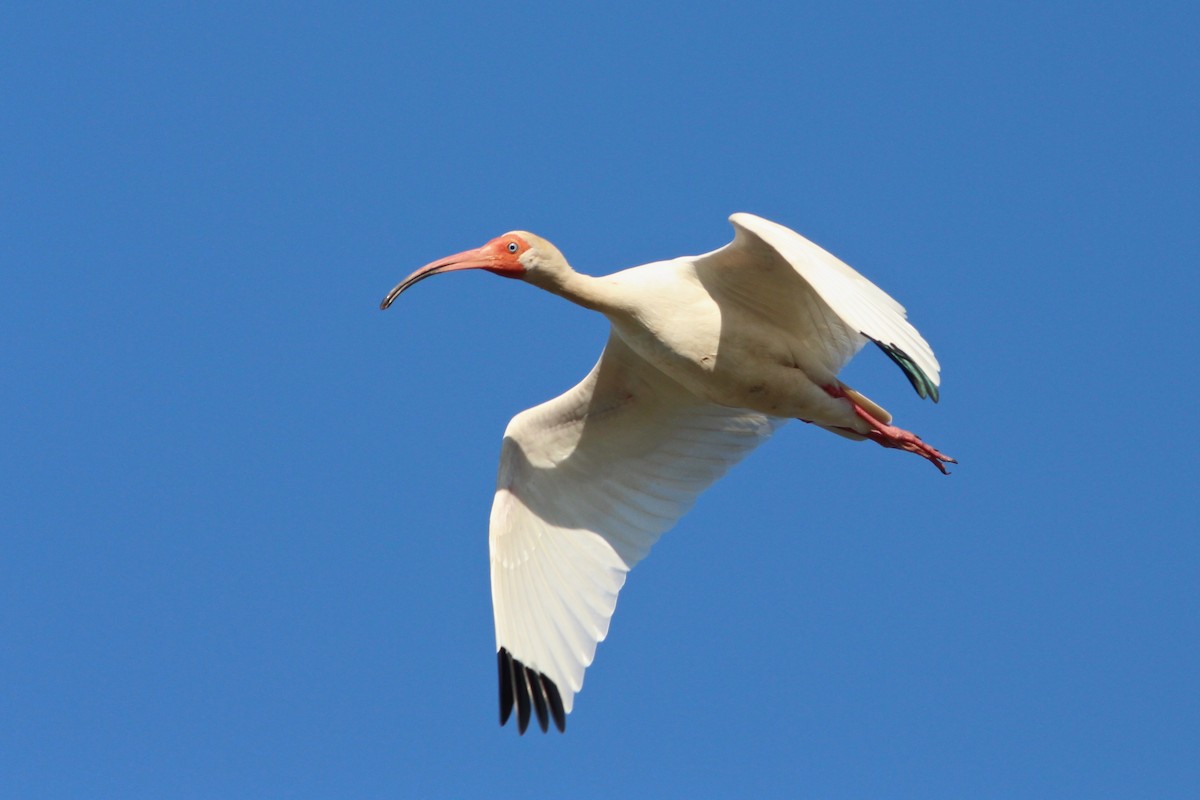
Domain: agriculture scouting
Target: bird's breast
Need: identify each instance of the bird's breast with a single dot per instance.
(720, 350)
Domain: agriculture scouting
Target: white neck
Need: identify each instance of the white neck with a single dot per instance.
(583, 290)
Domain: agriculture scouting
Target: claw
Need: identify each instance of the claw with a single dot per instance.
(892, 436)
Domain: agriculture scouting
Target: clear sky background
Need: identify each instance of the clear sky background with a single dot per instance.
(244, 546)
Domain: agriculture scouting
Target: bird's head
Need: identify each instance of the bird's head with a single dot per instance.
(516, 254)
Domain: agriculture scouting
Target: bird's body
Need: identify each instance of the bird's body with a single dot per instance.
(677, 316)
(707, 356)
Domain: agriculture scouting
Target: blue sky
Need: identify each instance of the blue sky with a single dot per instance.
(244, 513)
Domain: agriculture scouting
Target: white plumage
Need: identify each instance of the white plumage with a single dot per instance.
(707, 357)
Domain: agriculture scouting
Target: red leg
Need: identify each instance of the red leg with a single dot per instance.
(891, 436)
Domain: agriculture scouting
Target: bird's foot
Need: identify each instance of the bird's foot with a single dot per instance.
(892, 436)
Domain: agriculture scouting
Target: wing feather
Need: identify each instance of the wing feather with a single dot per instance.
(841, 309)
(587, 483)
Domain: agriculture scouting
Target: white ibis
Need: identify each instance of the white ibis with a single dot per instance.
(707, 356)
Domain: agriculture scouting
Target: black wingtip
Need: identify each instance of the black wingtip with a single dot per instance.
(506, 685)
(556, 704)
(523, 704)
(538, 694)
(531, 692)
(916, 376)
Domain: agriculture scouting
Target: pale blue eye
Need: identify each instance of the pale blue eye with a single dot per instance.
(512, 247)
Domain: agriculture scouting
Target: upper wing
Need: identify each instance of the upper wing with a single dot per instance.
(587, 483)
(835, 304)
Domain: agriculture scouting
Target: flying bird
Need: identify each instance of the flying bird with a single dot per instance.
(706, 357)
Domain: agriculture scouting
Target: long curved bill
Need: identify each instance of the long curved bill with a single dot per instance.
(468, 259)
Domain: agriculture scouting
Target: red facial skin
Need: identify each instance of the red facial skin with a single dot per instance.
(501, 256)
